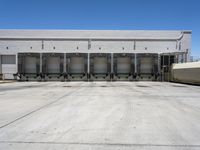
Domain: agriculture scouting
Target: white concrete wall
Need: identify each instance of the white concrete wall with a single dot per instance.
(65, 46)
(109, 41)
(16, 46)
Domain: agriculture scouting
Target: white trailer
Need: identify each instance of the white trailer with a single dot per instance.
(186, 73)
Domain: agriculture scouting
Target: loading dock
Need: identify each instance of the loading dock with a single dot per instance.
(147, 67)
(100, 66)
(76, 66)
(52, 66)
(123, 66)
(69, 55)
(28, 66)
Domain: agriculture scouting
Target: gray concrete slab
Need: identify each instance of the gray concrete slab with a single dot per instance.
(99, 115)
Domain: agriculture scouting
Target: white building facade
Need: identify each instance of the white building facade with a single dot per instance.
(91, 54)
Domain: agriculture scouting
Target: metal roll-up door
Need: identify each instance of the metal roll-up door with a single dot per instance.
(77, 65)
(53, 65)
(30, 64)
(100, 65)
(146, 65)
(123, 65)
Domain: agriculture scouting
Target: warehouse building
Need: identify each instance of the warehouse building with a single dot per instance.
(90, 55)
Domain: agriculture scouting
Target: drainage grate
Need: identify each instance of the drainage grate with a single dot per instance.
(103, 86)
(142, 86)
(67, 86)
(179, 86)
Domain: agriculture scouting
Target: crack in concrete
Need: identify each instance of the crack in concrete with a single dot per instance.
(103, 144)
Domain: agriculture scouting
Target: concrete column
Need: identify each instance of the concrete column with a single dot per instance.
(111, 63)
(88, 63)
(64, 63)
(163, 61)
(88, 67)
(40, 62)
(159, 60)
(135, 63)
(163, 69)
(16, 61)
(169, 68)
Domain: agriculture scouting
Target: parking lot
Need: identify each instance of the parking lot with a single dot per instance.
(99, 115)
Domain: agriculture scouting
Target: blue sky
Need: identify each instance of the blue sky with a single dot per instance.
(103, 14)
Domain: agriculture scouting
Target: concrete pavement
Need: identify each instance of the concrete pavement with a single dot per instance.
(99, 115)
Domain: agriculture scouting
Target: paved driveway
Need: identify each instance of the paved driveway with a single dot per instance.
(99, 115)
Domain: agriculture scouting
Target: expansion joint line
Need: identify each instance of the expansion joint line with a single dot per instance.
(40, 108)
